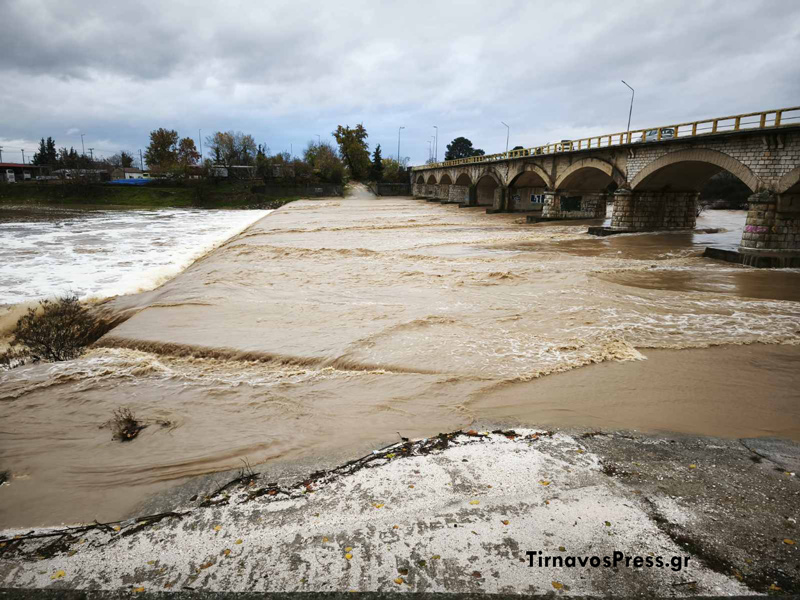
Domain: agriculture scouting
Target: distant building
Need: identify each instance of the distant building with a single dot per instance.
(88, 174)
(129, 173)
(18, 172)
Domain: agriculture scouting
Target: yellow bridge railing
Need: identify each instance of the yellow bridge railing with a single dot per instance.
(770, 119)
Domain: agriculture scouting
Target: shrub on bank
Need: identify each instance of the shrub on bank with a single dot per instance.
(56, 330)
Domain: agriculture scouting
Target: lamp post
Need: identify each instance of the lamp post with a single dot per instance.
(83, 149)
(436, 144)
(630, 112)
(430, 152)
(398, 144)
(23, 156)
(508, 133)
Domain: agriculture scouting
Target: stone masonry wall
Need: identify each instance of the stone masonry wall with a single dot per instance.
(459, 194)
(773, 223)
(642, 211)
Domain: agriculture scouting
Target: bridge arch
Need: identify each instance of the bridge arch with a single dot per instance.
(526, 189)
(532, 174)
(790, 182)
(463, 179)
(689, 170)
(420, 178)
(486, 186)
(445, 179)
(589, 174)
(432, 179)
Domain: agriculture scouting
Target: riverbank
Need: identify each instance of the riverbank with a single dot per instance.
(155, 195)
(466, 512)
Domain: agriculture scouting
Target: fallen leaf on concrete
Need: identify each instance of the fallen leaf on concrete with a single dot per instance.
(396, 527)
(151, 562)
(562, 549)
(543, 482)
(324, 539)
(205, 566)
(378, 505)
(58, 574)
(557, 585)
(411, 486)
(788, 541)
(217, 527)
(239, 541)
(390, 455)
(403, 571)
(348, 549)
(435, 557)
(226, 552)
(399, 580)
(348, 556)
(775, 588)
(505, 521)
(423, 563)
(116, 528)
(138, 590)
(608, 523)
(474, 501)
(692, 466)
(476, 574)
(472, 432)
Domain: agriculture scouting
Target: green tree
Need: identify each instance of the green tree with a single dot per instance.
(187, 152)
(162, 152)
(376, 170)
(126, 160)
(461, 147)
(354, 150)
(47, 153)
(233, 148)
(395, 172)
(324, 160)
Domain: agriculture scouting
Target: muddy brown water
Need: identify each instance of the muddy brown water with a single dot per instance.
(330, 325)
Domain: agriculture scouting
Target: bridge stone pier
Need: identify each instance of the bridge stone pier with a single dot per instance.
(653, 184)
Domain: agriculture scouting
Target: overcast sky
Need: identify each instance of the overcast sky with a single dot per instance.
(286, 71)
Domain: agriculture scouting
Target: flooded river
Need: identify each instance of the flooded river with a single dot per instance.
(327, 327)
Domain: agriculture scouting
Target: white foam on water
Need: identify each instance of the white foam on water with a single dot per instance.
(99, 254)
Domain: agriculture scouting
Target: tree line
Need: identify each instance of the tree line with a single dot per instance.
(169, 154)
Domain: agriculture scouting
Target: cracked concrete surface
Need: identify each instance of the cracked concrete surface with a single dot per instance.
(458, 513)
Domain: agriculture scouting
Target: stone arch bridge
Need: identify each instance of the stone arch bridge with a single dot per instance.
(653, 176)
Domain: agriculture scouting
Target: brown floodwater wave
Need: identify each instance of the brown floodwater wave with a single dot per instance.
(328, 326)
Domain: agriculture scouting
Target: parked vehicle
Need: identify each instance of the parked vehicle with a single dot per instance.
(9, 176)
(651, 135)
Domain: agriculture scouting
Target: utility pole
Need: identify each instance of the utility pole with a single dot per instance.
(630, 112)
(398, 144)
(23, 156)
(91, 153)
(83, 149)
(141, 162)
(1, 154)
(430, 151)
(200, 137)
(508, 133)
(436, 144)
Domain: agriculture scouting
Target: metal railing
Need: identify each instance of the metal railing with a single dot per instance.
(770, 119)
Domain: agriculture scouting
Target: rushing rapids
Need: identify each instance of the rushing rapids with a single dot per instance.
(329, 325)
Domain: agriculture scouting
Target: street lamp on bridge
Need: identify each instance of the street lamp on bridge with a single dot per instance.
(630, 112)
(398, 144)
(508, 133)
(436, 144)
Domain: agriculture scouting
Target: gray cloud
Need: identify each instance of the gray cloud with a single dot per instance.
(288, 70)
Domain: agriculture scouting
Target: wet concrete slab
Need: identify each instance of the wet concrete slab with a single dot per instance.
(466, 513)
